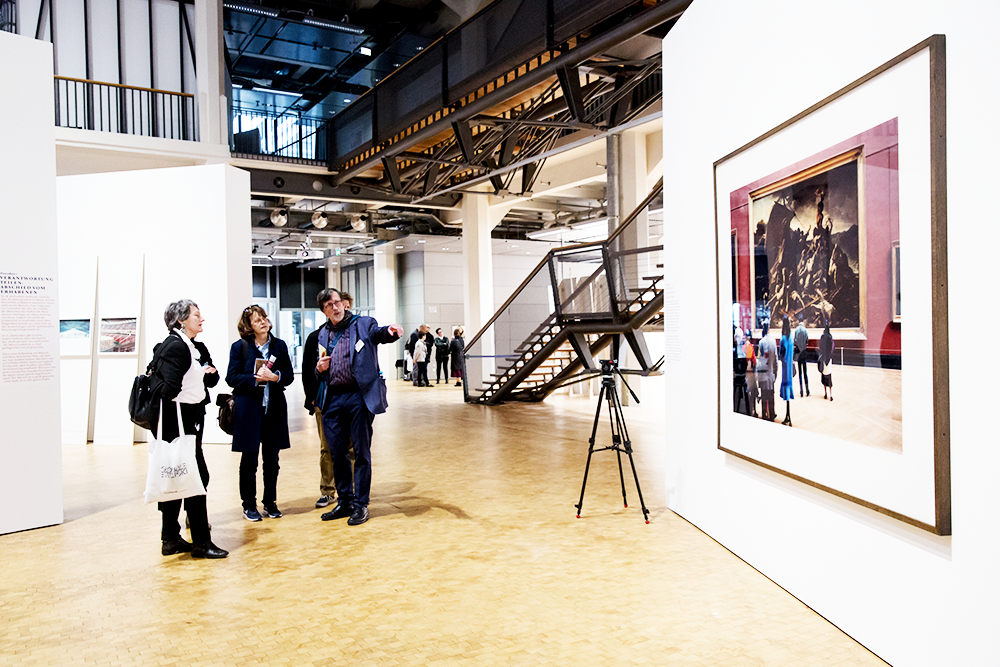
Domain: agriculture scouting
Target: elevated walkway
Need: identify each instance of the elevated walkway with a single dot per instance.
(576, 302)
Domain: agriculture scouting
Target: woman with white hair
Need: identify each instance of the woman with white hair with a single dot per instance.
(182, 373)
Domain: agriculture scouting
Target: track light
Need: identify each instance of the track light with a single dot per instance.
(279, 217)
(319, 219)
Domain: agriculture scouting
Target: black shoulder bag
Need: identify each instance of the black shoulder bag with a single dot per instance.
(141, 403)
(226, 402)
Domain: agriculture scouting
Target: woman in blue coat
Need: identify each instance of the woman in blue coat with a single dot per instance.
(260, 419)
(787, 353)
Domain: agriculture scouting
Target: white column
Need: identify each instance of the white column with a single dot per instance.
(632, 190)
(213, 105)
(478, 253)
(385, 306)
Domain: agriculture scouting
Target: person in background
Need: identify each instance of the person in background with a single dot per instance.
(420, 359)
(441, 355)
(767, 365)
(429, 344)
(182, 374)
(786, 351)
(259, 370)
(410, 347)
(801, 345)
(353, 393)
(310, 355)
(825, 362)
(457, 347)
(751, 356)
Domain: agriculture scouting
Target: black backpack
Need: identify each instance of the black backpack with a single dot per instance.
(142, 406)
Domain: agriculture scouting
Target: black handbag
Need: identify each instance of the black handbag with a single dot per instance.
(141, 406)
(227, 412)
(226, 403)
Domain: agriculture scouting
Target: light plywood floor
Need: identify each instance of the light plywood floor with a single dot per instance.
(473, 556)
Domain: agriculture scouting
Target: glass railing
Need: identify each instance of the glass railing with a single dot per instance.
(111, 107)
(589, 289)
(282, 137)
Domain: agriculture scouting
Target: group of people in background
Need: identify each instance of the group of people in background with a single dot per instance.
(756, 368)
(344, 391)
(446, 352)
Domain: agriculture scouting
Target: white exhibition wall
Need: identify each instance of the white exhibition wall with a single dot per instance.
(911, 597)
(31, 473)
(155, 236)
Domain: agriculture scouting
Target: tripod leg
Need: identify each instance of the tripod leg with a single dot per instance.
(616, 437)
(590, 453)
(628, 450)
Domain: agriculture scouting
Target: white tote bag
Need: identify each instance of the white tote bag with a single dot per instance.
(173, 467)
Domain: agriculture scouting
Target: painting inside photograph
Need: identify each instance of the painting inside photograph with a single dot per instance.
(817, 336)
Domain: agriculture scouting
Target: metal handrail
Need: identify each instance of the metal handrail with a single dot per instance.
(120, 85)
(114, 107)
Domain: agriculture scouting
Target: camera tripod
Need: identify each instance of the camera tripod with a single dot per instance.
(619, 433)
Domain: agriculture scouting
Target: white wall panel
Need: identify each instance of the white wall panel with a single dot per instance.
(192, 225)
(31, 472)
(913, 598)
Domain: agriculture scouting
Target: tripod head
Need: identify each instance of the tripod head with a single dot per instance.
(609, 369)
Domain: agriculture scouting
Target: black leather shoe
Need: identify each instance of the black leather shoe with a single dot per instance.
(208, 550)
(360, 516)
(178, 546)
(341, 511)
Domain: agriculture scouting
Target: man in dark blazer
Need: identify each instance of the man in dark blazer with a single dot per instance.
(353, 392)
(310, 355)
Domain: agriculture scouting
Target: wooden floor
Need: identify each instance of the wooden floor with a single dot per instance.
(472, 556)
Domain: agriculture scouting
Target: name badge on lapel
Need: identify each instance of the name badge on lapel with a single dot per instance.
(360, 344)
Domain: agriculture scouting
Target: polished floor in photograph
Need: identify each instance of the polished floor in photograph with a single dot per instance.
(867, 406)
(473, 556)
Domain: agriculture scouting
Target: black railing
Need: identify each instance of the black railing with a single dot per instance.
(592, 288)
(281, 137)
(112, 107)
(503, 40)
(8, 16)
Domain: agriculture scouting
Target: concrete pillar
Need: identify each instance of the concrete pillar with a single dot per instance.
(213, 103)
(477, 252)
(385, 307)
(631, 190)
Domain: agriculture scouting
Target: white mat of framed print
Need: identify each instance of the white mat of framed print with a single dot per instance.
(813, 221)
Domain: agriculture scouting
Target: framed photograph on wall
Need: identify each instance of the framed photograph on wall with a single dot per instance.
(117, 335)
(810, 217)
(74, 338)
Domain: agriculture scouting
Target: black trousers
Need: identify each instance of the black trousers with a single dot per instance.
(268, 452)
(421, 380)
(347, 419)
(442, 362)
(803, 377)
(195, 506)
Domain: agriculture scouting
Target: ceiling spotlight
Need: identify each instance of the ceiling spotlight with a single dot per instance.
(357, 224)
(279, 217)
(319, 219)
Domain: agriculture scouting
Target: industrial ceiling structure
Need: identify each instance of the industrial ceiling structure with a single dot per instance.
(416, 104)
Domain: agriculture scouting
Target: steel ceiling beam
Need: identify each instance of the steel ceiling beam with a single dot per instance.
(645, 21)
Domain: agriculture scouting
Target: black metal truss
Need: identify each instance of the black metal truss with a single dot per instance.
(485, 146)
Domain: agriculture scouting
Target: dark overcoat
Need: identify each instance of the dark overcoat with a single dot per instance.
(171, 360)
(248, 398)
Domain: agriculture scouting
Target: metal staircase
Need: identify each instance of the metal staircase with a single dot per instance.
(586, 297)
